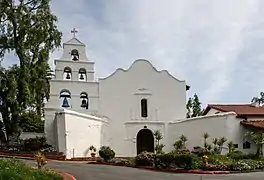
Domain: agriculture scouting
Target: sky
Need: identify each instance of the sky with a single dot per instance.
(217, 46)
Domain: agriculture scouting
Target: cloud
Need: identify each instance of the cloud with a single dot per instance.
(214, 45)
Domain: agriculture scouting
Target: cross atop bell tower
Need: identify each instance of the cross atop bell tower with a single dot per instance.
(74, 31)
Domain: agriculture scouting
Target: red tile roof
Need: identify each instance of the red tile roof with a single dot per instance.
(239, 109)
(259, 124)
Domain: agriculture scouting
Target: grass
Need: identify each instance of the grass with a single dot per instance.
(15, 170)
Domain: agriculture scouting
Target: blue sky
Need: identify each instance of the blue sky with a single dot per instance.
(216, 46)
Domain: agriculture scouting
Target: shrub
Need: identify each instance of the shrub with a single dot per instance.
(219, 159)
(238, 155)
(185, 161)
(106, 153)
(37, 144)
(145, 159)
(164, 160)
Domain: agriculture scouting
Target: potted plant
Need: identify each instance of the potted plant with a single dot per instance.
(93, 150)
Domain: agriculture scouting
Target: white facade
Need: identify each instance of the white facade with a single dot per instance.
(120, 107)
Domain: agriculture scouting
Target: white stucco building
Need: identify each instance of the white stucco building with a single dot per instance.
(123, 109)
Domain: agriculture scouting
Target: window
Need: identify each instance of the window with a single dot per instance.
(236, 146)
(84, 100)
(246, 145)
(75, 55)
(65, 98)
(82, 74)
(67, 73)
(144, 108)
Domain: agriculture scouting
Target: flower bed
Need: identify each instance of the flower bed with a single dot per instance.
(194, 171)
(49, 155)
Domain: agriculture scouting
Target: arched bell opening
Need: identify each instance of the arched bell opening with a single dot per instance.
(67, 73)
(84, 100)
(82, 75)
(75, 55)
(65, 98)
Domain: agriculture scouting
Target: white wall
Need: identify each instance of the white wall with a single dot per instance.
(120, 96)
(132, 128)
(219, 125)
(81, 131)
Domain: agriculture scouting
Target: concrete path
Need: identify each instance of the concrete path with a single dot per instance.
(83, 171)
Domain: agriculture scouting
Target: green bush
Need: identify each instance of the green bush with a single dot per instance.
(37, 144)
(185, 161)
(219, 159)
(238, 155)
(146, 159)
(15, 170)
(164, 160)
(106, 153)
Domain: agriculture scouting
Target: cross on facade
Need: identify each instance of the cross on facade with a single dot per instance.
(74, 31)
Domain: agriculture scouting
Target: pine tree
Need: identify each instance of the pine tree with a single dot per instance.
(194, 107)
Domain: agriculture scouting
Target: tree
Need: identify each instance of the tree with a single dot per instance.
(194, 107)
(158, 136)
(28, 28)
(258, 138)
(258, 100)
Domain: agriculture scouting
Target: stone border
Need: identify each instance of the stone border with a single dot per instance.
(193, 171)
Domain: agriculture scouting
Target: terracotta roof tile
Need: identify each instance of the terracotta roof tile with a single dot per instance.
(256, 124)
(239, 109)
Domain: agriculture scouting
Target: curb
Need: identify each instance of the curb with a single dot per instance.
(194, 171)
(66, 176)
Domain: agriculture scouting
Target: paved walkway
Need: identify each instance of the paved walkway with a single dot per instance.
(83, 171)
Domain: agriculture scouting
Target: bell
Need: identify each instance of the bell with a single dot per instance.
(84, 104)
(68, 76)
(75, 57)
(65, 103)
(81, 77)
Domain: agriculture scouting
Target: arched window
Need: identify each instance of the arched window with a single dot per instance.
(144, 108)
(65, 98)
(82, 74)
(75, 55)
(84, 100)
(67, 73)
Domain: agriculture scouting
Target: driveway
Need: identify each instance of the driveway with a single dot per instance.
(83, 171)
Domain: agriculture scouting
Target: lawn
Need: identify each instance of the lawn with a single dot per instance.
(15, 170)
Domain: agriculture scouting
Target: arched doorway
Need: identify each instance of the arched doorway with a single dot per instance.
(145, 141)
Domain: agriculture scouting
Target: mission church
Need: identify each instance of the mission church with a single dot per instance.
(123, 109)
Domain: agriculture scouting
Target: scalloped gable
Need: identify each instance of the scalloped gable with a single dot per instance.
(141, 61)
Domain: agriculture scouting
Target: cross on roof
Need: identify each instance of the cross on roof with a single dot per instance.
(74, 31)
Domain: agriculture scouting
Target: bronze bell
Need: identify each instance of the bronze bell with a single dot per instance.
(68, 76)
(65, 103)
(84, 104)
(81, 77)
(75, 58)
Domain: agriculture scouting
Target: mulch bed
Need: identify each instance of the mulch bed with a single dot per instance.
(194, 171)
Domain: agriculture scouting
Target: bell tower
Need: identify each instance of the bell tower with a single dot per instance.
(73, 86)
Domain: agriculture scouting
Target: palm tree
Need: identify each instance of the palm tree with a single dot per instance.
(205, 136)
(158, 136)
(258, 100)
(221, 143)
(184, 140)
(231, 146)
